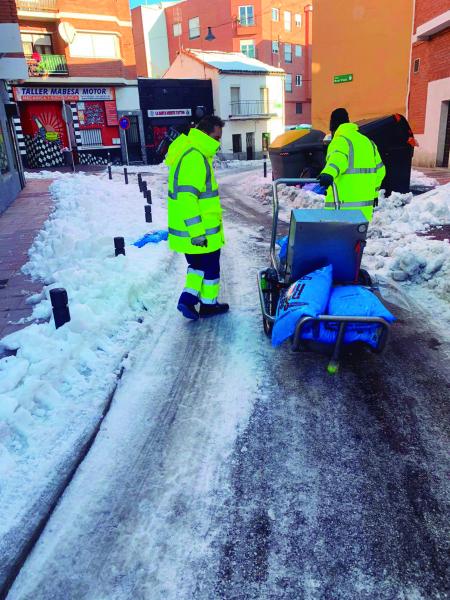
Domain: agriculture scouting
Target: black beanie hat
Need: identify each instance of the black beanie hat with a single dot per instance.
(338, 117)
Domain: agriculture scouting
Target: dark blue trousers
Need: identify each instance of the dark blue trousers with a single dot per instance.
(209, 265)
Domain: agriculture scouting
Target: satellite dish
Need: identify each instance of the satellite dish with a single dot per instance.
(67, 32)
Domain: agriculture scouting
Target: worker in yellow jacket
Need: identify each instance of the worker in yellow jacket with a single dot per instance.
(195, 216)
(354, 170)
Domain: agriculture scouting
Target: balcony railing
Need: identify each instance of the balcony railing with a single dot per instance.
(249, 108)
(37, 5)
(49, 64)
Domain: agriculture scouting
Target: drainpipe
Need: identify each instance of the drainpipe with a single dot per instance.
(308, 53)
(408, 91)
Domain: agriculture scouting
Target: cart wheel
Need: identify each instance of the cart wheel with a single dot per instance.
(333, 367)
(364, 278)
(268, 326)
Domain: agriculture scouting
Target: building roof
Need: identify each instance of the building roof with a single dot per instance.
(233, 62)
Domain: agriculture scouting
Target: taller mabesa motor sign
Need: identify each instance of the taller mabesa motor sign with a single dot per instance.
(68, 94)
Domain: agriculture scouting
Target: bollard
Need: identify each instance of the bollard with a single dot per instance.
(149, 197)
(140, 182)
(265, 166)
(119, 246)
(148, 213)
(60, 306)
(109, 172)
(144, 187)
(125, 174)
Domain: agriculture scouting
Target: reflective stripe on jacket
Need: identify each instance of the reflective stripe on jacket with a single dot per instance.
(193, 197)
(355, 164)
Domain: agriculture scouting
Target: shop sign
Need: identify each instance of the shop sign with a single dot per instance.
(111, 113)
(171, 112)
(69, 94)
(343, 78)
(51, 136)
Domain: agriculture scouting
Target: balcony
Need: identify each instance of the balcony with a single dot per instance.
(49, 64)
(246, 26)
(37, 5)
(250, 109)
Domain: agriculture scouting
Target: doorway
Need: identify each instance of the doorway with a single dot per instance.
(250, 143)
(446, 155)
(133, 140)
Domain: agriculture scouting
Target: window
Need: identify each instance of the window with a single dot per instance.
(194, 28)
(176, 29)
(275, 47)
(288, 53)
(298, 81)
(248, 48)
(4, 165)
(298, 108)
(275, 14)
(237, 143)
(36, 42)
(91, 137)
(288, 83)
(95, 45)
(416, 65)
(287, 20)
(235, 95)
(246, 16)
(298, 51)
(298, 20)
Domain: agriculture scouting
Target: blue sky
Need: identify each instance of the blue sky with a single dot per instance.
(134, 3)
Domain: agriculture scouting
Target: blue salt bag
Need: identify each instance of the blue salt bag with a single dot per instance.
(353, 301)
(154, 237)
(308, 296)
(283, 243)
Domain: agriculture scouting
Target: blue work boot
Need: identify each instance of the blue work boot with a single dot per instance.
(188, 310)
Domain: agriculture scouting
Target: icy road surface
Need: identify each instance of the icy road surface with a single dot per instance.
(229, 470)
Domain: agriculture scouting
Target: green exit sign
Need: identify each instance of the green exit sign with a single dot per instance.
(343, 78)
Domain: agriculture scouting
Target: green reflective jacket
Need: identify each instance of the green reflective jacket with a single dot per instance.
(355, 164)
(193, 195)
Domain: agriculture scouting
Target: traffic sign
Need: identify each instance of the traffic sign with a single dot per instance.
(124, 123)
(343, 78)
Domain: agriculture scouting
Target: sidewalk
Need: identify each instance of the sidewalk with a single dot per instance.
(19, 225)
(441, 174)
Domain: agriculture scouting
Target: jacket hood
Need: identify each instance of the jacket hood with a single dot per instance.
(346, 128)
(207, 145)
(176, 149)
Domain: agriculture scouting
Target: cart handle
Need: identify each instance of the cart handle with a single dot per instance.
(275, 208)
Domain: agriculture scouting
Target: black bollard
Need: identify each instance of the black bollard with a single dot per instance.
(149, 196)
(119, 245)
(144, 187)
(140, 182)
(148, 213)
(125, 174)
(109, 172)
(265, 166)
(60, 306)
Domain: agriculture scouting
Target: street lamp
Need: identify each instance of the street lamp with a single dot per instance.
(210, 36)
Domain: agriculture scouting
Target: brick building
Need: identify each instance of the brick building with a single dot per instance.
(429, 96)
(12, 66)
(276, 32)
(81, 81)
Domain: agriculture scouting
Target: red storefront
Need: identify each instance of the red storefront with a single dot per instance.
(54, 118)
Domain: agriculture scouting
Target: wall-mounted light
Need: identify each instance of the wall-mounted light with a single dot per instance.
(210, 36)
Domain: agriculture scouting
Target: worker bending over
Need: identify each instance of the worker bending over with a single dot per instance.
(354, 170)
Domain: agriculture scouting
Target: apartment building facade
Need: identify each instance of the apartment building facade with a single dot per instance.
(429, 94)
(276, 32)
(12, 67)
(81, 81)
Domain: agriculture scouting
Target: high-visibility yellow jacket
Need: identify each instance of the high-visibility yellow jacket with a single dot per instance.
(193, 195)
(355, 164)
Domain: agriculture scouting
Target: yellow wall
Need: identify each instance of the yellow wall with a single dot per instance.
(370, 39)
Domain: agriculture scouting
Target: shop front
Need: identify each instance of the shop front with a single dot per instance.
(54, 119)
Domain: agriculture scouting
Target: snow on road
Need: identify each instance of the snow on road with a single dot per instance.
(52, 392)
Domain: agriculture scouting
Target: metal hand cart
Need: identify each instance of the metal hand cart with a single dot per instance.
(282, 273)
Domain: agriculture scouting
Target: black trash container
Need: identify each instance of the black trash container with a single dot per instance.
(395, 142)
(297, 153)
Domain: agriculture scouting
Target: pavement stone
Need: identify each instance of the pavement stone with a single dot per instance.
(19, 225)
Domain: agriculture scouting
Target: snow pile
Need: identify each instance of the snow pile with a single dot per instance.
(397, 250)
(46, 174)
(260, 188)
(54, 389)
(419, 179)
